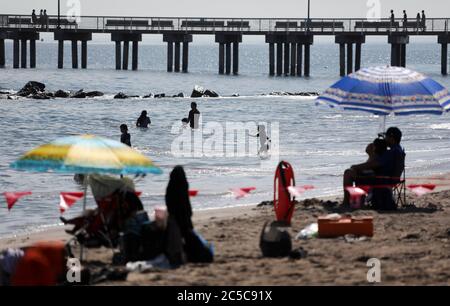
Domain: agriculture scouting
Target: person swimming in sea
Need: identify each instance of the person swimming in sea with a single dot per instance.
(194, 116)
(125, 138)
(263, 139)
(143, 121)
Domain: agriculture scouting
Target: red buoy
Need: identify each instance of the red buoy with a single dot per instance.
(283, 201)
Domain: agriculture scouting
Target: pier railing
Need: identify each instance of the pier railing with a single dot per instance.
(202, 25)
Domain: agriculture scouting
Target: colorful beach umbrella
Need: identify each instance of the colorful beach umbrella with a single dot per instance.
(388, 90)
(86, 154)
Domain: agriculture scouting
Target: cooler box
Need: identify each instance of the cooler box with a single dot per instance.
(358, 226)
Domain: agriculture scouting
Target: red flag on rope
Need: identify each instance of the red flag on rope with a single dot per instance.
(242, 192)
(67, 199)
(422, 189)
(193, 193)
(12, 197)
(297, 191)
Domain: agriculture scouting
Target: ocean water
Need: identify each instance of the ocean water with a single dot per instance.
(319, 142)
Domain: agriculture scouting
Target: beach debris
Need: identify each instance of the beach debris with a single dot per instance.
(107, 273)
(94, 93)
(410, 236)
(80, 94)
(297, 191)
(241, 192)
(159, 262)
(354, 238)
(13, 197)
(311, 231)
(68, 199)
(298, 253)
(199, 92)
(421, 189)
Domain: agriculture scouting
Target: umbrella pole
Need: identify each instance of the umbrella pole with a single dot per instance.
(383, 124)
(85, 185)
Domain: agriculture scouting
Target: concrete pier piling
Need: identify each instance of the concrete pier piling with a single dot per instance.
(20, 45)
(122, 41)
(228, 51)
(444, 40)
(347, 64)
(74, 37)
(398, 43)
(173, 62)
(289, 55)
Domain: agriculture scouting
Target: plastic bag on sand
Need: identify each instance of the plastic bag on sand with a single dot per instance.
(310, 231)
(159, 262)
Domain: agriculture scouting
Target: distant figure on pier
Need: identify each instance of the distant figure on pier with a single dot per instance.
(392, 18)
(424, 21)
(45, 20)
(125, 138)
(405, 21)
(34, 19)
(41, 18)
(143, 121)
(194, 116)
(418, 22)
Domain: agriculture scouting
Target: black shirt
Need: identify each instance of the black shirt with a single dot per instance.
(126, 139)
(191, 118)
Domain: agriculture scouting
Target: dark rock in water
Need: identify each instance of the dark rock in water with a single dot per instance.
(199, 92)
(40, 96)
(80, 94)
(180, 95)
(210, 93)
(150, 95)
(161, 95)
(120, 95)
(31, 88)
(235, 95)
(61, 94)
(94, 94)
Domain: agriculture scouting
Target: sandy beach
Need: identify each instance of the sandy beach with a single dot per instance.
(413, 245)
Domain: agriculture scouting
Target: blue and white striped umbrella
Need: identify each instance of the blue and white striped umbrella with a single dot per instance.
(386, 90)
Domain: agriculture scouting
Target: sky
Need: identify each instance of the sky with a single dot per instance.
(232, 8)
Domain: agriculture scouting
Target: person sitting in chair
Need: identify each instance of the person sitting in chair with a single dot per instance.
(386, 168)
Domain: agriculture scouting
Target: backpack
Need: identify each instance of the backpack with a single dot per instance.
(275, 241)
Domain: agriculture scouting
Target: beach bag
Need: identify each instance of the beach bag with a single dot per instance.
(197, 249)
(275, 241)
(383, 199)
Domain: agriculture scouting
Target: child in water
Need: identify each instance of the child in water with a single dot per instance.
(125, 137)
(263, 139)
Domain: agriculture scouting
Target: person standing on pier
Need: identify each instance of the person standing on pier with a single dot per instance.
(392, 19)
(418, 22)
(34, 18)
(424, 21)
(45, 24)
(405, 20)
(41, 18)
